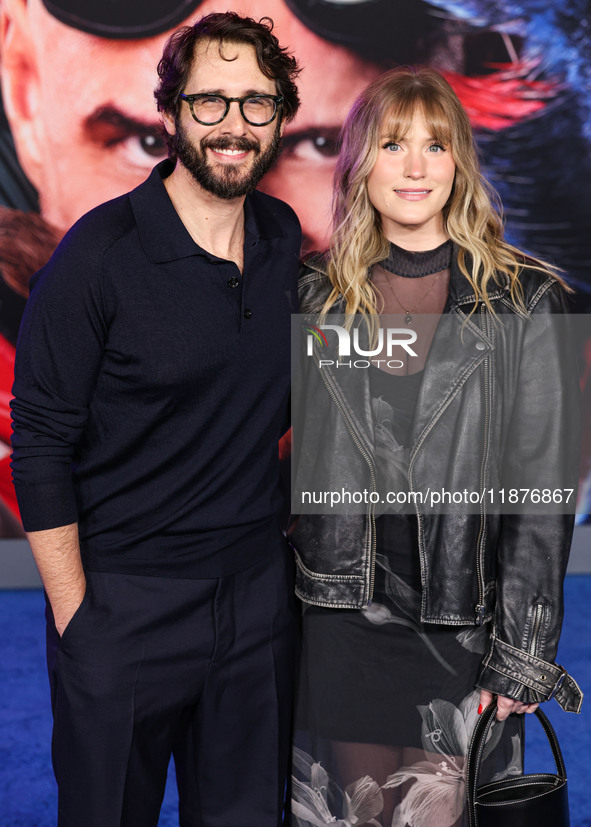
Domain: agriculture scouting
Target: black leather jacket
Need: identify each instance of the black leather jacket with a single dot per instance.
(475, 567)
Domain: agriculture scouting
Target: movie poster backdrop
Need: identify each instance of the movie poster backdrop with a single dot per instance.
(78, 125)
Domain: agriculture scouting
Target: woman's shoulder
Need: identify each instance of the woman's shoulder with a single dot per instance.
(534, 288)
(541, 287)
(313, 267)
(314, 286)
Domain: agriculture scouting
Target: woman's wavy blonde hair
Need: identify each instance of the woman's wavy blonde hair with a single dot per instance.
(472, 216)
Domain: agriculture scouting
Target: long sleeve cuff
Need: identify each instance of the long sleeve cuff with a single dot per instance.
(46, 505)
(517, 674)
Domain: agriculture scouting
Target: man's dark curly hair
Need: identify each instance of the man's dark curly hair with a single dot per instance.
(226, 27)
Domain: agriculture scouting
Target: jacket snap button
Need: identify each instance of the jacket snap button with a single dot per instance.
(480, 346)
(247, 313)
(233, 282)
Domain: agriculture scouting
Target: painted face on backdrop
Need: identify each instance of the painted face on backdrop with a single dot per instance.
(228, 159)
(82, 111)
(410, 184)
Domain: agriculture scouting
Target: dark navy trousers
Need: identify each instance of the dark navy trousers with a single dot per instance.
(202, 668)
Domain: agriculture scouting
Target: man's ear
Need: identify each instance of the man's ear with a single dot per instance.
(20, 85)
(168, 121)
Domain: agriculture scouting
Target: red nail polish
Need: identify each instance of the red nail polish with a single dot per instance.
(480, 709)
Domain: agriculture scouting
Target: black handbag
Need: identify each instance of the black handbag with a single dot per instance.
(536, 800)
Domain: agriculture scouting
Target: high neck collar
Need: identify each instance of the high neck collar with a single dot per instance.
(415, 265)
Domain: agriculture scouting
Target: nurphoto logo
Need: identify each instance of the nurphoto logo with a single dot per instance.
(348, 340)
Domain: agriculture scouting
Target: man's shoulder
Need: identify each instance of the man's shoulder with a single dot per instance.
(103, 225)
(79, 255)
(267, 206)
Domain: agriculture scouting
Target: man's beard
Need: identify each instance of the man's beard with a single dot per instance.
(225, 181)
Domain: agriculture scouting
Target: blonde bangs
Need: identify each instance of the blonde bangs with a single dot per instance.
(418, 101)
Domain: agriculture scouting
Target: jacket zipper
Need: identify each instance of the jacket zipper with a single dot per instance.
(480, 608)
(536, 625)
(372, 516)
(533, 643)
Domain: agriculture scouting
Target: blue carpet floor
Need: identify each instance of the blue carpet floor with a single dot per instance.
(27, 787)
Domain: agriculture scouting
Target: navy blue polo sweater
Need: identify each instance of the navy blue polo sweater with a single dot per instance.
(152, 385)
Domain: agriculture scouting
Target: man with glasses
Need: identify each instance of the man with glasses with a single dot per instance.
(77, 79)
(77, 85)
(151, 389)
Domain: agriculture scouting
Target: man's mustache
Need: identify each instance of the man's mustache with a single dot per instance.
(229, 142)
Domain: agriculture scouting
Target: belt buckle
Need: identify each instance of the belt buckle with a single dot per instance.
(559, 682)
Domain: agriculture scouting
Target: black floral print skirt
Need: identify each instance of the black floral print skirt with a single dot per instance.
(386, 709)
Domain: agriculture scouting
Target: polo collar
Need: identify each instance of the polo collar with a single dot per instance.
(163, 235)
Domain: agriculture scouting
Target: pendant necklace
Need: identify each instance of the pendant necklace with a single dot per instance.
(408, 311)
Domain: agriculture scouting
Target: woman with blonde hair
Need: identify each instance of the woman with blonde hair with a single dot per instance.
(435, 586)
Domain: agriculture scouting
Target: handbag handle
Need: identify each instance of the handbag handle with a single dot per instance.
(476, 749)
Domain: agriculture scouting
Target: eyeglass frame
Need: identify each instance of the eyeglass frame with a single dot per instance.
(277, 100)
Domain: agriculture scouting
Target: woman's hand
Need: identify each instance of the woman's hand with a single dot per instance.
(505, 706)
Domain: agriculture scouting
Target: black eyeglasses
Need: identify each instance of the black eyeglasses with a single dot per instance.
(257, 110)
